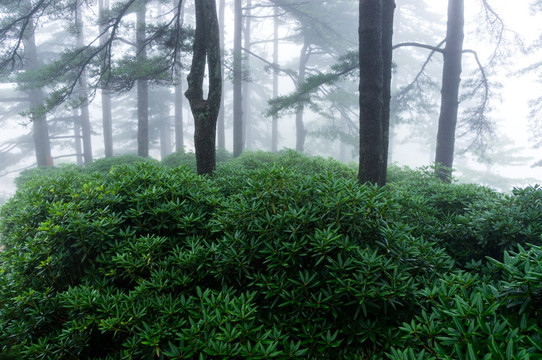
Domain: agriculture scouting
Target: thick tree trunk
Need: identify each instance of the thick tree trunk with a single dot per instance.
(371, 91)
(142, 85)
(301, 133)
(206, 47)
(107, 122)
(451, 77)
(221, 131)
(274, 121)
(238, 144)
(40, 129)
(83, 94)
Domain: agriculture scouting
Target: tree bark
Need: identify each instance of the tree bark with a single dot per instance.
(301, 133)
(107, 122)
(179, 125)
(388, 10)
(206, 47)
(371, 98)
(40, 129)
(142, 85)
(451, 77)
(77, 137)
(274, 121)
(221, 131)
(246, 87)
(83, 94)
(238, 144)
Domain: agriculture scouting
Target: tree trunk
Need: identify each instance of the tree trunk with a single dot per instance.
(179, 126)
(274, 123)
(165, 132)
(246, 88)
(237, 81)
(206, 47)
(142, 85)
(77, 137)
(107, 122)
(299, 126)
(40, 129)
(371, 86)
(388, 9)
(451, 77)
(83, 94)
(221, 131)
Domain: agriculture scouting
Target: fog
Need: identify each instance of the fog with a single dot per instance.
(506, 164)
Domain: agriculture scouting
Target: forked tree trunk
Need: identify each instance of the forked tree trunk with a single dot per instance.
(451, 77)
(206, 48)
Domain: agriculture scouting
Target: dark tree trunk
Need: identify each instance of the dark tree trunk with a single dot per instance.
(371, 99)
(237, 81)
(40, 129)
(274, 123)
(83, 93)
(206, 47)
(221, 131)
(107, 122)
(301, 133)
(451, 77)
(142, 85)
(388, 10)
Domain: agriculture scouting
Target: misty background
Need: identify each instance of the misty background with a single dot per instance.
(506, 161)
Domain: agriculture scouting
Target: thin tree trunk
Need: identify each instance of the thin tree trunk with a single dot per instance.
(301, 133)
(107, 120)
(388, 9)
(274, 123)
(40, 129)
(451, 77)
(206, 47)
(179, 126)
(221, 131)
(246, 88)
(83, 94)
(371, 100)
(142, 85)
(165, 132)
(77, 136)
(237, 81)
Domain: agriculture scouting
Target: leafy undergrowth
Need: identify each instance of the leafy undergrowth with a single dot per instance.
(277, 256)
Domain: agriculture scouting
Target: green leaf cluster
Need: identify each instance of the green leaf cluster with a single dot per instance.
(276, 256)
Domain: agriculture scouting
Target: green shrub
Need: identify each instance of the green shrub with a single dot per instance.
(180, 158)
(146, 261)
(105, 164)
(467, 318)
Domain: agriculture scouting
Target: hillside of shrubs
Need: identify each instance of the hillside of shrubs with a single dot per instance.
(277, 256)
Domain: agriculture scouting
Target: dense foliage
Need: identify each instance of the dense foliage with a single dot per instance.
(276, 256)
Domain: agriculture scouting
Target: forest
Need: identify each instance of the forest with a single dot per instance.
(219, 179)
